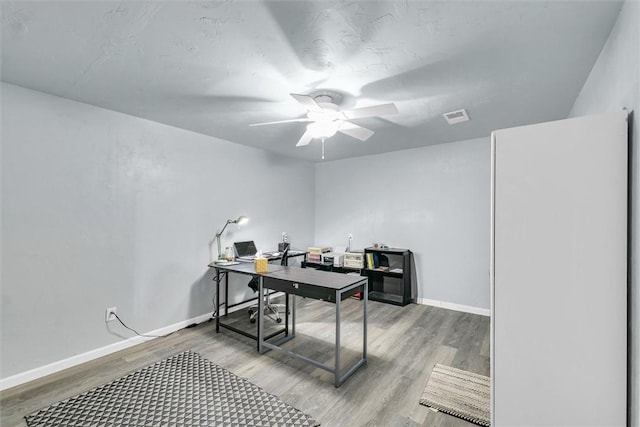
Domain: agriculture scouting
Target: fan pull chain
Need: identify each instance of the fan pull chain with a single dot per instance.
(322, 148)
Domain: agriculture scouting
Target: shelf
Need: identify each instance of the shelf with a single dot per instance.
(391, 281)
(395, 251)
(385, 297)
(385, 272)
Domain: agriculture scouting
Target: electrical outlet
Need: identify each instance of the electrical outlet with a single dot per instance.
(110, 314)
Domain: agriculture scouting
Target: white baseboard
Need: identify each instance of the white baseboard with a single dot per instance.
(42, 371)
(455, 307)
(60, 365)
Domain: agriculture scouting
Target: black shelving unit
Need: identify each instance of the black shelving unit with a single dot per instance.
(391, 278)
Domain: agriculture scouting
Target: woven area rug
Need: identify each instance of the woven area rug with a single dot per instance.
(459, 393)
(184, 390)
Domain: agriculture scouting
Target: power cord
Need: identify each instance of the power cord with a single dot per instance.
(138, 333)
(213, 316)
(215, 313)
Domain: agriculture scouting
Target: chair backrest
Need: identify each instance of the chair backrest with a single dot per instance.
(254, 283)
(285, 254)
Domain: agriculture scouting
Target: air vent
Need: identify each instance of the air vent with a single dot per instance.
(457, 116)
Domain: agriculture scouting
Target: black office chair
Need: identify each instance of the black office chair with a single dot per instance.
(271, 310)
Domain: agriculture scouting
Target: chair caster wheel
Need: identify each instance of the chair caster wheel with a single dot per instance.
(252, 320)
(279, 320)
(250, 311)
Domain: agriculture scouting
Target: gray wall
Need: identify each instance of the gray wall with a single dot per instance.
(613, 84)
(102, 209)
(433, 200)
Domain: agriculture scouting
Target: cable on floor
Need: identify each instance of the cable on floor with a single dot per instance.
(138, 333)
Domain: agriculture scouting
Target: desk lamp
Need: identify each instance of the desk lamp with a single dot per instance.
(241, 220)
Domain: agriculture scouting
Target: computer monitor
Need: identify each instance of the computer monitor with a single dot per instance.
(245, 249)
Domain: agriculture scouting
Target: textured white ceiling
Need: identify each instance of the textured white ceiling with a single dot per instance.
(215, 67)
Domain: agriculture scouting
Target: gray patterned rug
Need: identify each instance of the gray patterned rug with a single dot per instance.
(184, 390)
(460, 393)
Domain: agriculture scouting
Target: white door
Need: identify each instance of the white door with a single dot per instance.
(559, 273)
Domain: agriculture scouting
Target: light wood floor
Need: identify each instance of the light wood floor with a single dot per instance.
(404, 343)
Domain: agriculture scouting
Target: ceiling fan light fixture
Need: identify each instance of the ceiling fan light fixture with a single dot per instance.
(327, 112)
(323, 129)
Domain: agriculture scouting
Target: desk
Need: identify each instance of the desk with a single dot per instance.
(246, 268)
(321, 285)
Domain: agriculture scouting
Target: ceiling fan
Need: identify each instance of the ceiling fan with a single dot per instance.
(326, 118)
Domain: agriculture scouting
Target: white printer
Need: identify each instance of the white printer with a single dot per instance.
(337, 256)
(337, 259)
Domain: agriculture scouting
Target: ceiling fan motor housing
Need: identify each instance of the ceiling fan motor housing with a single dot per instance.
(327, 96)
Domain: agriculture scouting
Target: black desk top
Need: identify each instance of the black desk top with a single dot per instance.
(308, 276)
(245, 268)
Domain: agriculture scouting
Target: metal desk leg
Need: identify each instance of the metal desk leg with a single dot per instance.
(337, 377)
(217, 307)
(286, 314)
(260, 314)
(260, 320)
(293, 315)
(364, 322)
(336, 373)
(226, 294)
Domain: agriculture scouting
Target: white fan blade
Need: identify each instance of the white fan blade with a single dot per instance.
(358, 132)
(308, 102)
(374, 110)
(305, 139)
(304, 119)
